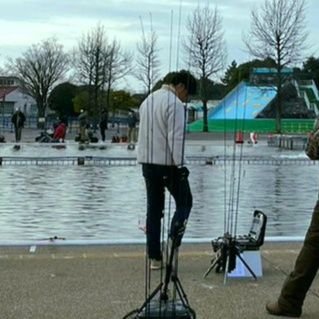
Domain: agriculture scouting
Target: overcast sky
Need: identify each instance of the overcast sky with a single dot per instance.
(26, 22)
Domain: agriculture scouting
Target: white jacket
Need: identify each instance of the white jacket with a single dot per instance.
(161, 129)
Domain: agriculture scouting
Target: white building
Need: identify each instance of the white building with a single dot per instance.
(12, 97)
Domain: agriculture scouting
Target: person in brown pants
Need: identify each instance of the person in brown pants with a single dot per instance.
(298, 282)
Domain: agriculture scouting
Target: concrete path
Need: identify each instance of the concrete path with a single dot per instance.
(95, 282)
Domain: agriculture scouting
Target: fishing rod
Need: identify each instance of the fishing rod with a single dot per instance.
(228, 248)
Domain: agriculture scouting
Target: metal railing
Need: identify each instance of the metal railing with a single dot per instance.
(132, 161)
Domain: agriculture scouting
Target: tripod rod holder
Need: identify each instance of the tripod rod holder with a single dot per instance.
(166, 307)
(173, 252)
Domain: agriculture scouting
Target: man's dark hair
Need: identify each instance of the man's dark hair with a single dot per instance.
(183, 77)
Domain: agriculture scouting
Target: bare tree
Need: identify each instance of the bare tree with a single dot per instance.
(118, 65)
(2, 71)
(39, 69)
(277, 31)
(99, 64)
(205, 49)
(89, 61)
(147, 61)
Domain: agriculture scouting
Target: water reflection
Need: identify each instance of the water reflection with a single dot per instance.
(79, 202)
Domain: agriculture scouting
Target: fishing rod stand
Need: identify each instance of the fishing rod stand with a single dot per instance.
(166, 306)
(227, 249)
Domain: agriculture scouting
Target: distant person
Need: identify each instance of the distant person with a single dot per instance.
(18, 119)
(103, 124)
(59, 132)
(83, 125)
(253, 138)
(131, 123)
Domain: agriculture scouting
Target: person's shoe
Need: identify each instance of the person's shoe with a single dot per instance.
(156, 264)
(274, 309)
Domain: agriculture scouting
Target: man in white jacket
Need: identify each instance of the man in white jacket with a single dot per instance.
(161, 153)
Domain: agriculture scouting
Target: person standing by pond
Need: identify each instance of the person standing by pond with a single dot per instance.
(18, 119)
(161, 152)
(103, 124)
(131, 123)
(83, 125)
(298, 282)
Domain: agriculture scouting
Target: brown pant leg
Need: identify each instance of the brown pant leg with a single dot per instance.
(300, 279)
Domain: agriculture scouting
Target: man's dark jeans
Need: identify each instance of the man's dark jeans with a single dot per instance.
(157, 178)
(18, 133)
(102, 132)
(300, 279)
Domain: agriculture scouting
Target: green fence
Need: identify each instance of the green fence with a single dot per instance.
(255, 125)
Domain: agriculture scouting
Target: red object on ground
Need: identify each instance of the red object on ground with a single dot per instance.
(59, 133)
(239, 137)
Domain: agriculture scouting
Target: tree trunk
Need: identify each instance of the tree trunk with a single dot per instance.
(278, 113)
(108, 102)
(41, 114)
(205, 120)
(279, 103)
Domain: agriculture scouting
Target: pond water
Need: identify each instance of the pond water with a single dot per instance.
(107, 202)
